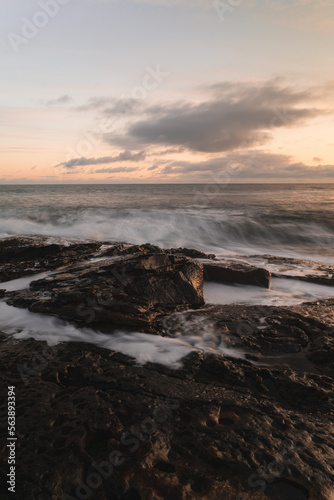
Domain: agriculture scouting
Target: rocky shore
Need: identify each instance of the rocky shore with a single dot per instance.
(250, 420)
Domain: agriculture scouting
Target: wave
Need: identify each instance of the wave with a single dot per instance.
(220, 232)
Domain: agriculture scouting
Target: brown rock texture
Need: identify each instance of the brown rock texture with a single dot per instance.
(236, 273)
(249, 416)
(129, 290)
(91, 422)
(21, 256)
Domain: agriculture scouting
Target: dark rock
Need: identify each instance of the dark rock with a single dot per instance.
(21, 256)
(228, 430)
(273, 336)
(288, 267)
(132, 290)
(236, 273)
(257, 428)
(190, 252)
(126, 249)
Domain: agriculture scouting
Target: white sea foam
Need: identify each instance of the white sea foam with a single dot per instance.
(196, 334)
(23, 324)
(143, 347)
(289, 268)
(22, 283)
(218, 231)
(283, 292)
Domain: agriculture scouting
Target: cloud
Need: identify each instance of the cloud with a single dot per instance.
(123, 106)
(168, 151)
(125, 156)
(111, 105)
(235, 115)
(114, 170)
(252, 164)
(64, 99)
(95, 103)
(317, 159)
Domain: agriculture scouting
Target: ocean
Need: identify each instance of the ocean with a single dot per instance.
(234, 221)
(293, 220)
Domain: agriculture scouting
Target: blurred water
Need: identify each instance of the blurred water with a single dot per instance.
(281, 219)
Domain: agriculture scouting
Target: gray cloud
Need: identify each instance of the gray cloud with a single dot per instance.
(248, 165)
(168, 151)
(64, 99)
(236, 115)
(95, 103)
(114, 170)
(125, 156)
(123, 106)
(111, 106)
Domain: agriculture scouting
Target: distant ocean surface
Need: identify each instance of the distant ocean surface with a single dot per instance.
(295, 220)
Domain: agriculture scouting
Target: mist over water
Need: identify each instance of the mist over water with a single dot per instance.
(287, 220)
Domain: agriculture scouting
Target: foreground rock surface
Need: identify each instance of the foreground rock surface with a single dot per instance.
(249, 416)
(90, 422)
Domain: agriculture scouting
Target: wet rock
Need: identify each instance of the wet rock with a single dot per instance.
(132, 290)
(254, 422)
(89, 417)
(236, 273)
(21, 256)
(272, 336)
(322, 310)
(297, 269)
(127, 249)
(190, 252)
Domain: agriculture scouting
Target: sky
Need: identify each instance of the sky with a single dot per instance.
(157, 91)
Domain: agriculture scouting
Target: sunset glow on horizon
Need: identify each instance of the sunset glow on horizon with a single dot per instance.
(157, 91)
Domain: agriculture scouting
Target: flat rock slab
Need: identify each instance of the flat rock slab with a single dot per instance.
(288, 267)
(132, 290)
(236, 273)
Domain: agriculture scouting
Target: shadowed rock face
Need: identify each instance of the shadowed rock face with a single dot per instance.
(236, 273)
(132, 290)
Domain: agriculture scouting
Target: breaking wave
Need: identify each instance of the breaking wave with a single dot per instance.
(215, 231)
